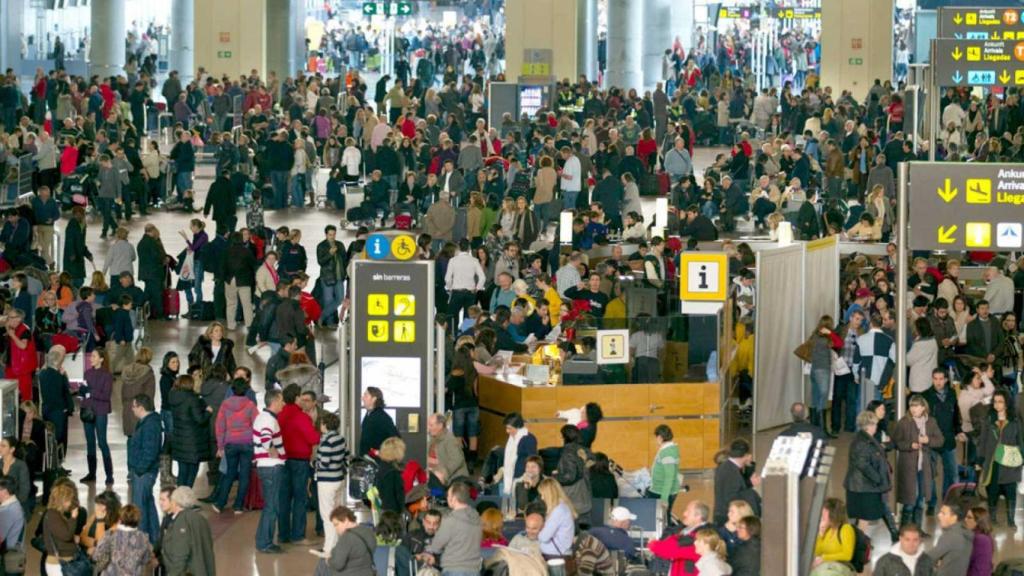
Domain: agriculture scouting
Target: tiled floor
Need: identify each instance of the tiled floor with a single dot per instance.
(234, 545)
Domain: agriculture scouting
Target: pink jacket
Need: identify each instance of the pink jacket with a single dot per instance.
(234, 421)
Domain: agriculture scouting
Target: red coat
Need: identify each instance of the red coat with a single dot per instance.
(311, 307)
(412, 475)
(679, 549)
(297, 432)
(108, 99)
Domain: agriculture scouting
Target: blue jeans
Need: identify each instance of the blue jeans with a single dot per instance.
(569, 199)
(187, 472)
(239, 457)
(270, 480)
(291, 522)
(298, 188)
(709, 209)
(919, 502)
(949, 469)
(820, 381)
(97, 431)
(142, 498)
(195, 294)
(182, 182)
(106, 206)
(332, 296)
(279, 180)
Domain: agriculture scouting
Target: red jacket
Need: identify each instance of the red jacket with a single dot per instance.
(297, 432)
(679, 549)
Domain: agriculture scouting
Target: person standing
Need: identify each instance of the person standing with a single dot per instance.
(915, 433)
(942, 405)
(330, 254)
(999, 439)
(734, 480)
(234, 426)
(330, 468)
(184, 156)
(99, 385)
(239, 277)
(952, 552)
(47, 213)
(54, 394)
(269, 454)
(190, 443)
(144, 449)
(76, 252)
(979, 521)
(300, 438)
(570, 178)
(153, 269)
(868, 478)
(906, 558)
(187, 547)
(377, 425)
(22, 359)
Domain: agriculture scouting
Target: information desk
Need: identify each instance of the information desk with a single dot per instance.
(631, 413)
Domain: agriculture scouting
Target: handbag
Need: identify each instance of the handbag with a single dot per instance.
(14, 561)
(803, 351)
(839, 365)
(79, 565)
(87, 414)
(1008, 456)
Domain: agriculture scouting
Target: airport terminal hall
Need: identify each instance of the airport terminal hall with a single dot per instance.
(511, 287)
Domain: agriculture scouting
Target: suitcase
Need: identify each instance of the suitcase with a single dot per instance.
(254, 496)
(172, 302)
(357, 214)
(962, 493)
(403, 221)
(664, 183)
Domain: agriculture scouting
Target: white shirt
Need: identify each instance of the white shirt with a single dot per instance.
(464, 273)
(351, 158)
(572, 175)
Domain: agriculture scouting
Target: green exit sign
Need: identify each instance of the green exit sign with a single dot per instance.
(224, 54)
(856, 61)
(387, 8)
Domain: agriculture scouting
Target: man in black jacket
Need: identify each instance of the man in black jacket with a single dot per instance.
(942, 406)
(290, 321)
(378, 194)
(330, 254)
(698, 226)
(279, 159)
(153, 269)
(221, 201)
(734, 481)
(609, 192)
(239, 278)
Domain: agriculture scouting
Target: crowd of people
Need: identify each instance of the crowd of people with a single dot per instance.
(415, 151)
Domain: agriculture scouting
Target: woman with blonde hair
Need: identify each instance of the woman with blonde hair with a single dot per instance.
(738, 510)
(213, 348)
(59, 522)
(878, 206)
(99, 287)
(712, 551)
(389, 483)
(559, 530)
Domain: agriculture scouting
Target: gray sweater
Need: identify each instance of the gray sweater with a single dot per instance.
(458, 541)
(121, 258)
(353, 553)
(952, 553)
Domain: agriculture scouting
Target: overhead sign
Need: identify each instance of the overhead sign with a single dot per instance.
(736, 12)
(703, 276)
(966, 206)
(794, 12)
(387, 8)
(613, 346)
(978, 62)
(393, 339)
(981, 23)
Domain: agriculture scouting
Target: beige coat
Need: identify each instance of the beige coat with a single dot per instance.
(545, 185)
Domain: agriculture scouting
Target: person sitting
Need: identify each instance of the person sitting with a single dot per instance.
(491, 522)
(528, 540)
(559, 530)
(615, 535)
(745, 557)
(602, 481)
(679, 548)
(457, 542)
(445, 459)
(525, 487)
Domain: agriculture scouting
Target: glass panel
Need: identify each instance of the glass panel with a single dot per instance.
(9, 410)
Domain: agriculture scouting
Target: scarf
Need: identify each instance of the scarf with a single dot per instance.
(273, 273)
(509, 463)
(922, 430)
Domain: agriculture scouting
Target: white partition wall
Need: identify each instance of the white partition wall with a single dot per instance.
(779, 329)
(821, 282)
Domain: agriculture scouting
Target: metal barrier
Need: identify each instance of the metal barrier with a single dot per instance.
(165, 132)
(236, 132)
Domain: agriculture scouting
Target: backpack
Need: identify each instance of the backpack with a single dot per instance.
(861, 550)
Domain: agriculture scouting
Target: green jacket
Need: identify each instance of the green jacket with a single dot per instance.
(187, 546)
(665, 471)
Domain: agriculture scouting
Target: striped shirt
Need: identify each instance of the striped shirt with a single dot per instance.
(266, 433)
(331, 458)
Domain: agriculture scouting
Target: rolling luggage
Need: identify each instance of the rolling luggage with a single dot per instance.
(403, 221)
(172, 302)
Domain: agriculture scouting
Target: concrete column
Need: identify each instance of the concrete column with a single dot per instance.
(625, 37)
(286, 23)
(586, 38)
(182, 49)
(682, 23)
(12, 15)
(107, 33)
(658, 36)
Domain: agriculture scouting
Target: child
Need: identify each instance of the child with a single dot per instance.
(123, 332)
(712, 553)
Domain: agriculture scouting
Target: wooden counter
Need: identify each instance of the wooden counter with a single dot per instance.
(631, 412)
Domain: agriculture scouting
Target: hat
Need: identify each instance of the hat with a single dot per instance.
(418, 492)
(620, 513)
(863, 292)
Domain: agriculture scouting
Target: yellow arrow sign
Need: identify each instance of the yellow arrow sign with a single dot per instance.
(957, 54)
(948, 193)
(957, 19)
(1004, 77)
(946, 234)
